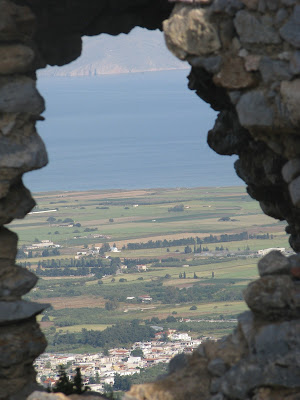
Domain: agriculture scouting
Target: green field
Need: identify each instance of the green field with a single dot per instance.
(137, 216)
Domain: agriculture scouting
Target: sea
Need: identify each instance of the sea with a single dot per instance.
(127, 131)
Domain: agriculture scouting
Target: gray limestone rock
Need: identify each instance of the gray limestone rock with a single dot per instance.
(189, 32)
(23, 152)
(15, 282)
(252, 30)
(14, 311)
(240, 379)
(17, 202)
(15, 22)
(274, 70)
(8, 244)
(217, 367)
(290, 31)
(294, 190)
(280, 17)
(290, 95)
(272, 4)
(178, 362)
(291, 170)
(218, 396)
(215, 385)
(247, 326)
(253, 110)
(229, 7)
(272, 342)
(272, 297)
(288, 2)
(15, 58)
(273, 263)
(211, 64)
(19, 94)
(295, 63)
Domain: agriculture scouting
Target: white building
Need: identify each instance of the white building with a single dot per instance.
(263, 252)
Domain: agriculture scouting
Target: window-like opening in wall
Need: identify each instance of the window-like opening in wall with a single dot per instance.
(136, 264)
(121, 117)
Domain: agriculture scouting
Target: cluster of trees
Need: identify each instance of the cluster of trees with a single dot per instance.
(83, 266)
(263, 236)
(81, 262)
(121, 334)
(178, 208)
(53, 220)
(69, 386)
(132, 263)
(44, 253)
(195, 240)
(171, 295)
(90, 229)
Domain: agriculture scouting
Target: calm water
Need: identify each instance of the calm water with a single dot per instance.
(127, 131)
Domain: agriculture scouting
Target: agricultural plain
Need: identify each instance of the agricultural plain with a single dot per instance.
(177, 258)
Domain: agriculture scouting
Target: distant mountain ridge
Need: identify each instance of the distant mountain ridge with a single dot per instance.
(139, 51)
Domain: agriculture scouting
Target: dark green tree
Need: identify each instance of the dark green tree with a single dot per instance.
(63, 385)
(187, 249)
(137, 353)
(121, 383)
(79, 387)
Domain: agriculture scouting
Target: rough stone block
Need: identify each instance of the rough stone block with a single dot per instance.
(251, 4)
(217, 367)
(15, 282)
(14, 311)
(273, 263)
(23, 152)
(8, 244)
(274, 70)
(251, 29)
(15, 58)
(273, 297)
(229, 7)
(19, 94)
(295, 63)
(290, 31)
(215, 385)
(290, 94)
(272, 342)
(211, 64)
(188, 31)
(16, 22)
(294, 190)
(20, 344)
(253, 110)
(252, 62)
(240, 379)
(291, 170)
(16, 204)
(233, 75)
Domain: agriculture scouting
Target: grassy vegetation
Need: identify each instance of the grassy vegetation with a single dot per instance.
(140, 216)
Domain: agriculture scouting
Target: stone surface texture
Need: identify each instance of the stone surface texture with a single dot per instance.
(254, 83)
(32, 35)
(245, 63)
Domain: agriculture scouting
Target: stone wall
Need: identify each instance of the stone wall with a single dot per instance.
(32, 35)
(245, 61)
